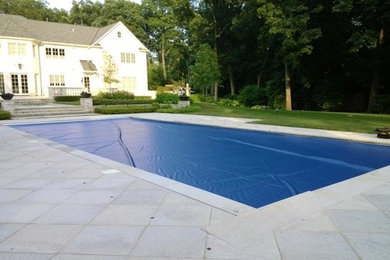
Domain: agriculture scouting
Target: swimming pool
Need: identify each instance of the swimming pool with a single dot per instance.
(254, 168)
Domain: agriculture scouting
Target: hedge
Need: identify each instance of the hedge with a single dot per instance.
(121, 94)
(105, 101)
(125, 110)
(142, 97)
(167, 98)
(4, 115)
(180, 110)
(66, 98)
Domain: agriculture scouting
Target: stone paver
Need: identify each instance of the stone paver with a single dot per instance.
(60, 203)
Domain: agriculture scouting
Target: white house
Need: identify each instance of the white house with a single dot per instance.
(39, 58)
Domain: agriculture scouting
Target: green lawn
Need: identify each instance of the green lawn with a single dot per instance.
(363, 123)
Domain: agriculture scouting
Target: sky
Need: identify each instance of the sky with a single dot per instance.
(67, 4)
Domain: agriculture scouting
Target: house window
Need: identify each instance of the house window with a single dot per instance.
(127, 57)
(57, 80)
(15, 83)
(21, 49)
(24, 83)
(119, 34)
(12, 49)
(2, 86)
(55, 53)
(15, 49)
(129, 83)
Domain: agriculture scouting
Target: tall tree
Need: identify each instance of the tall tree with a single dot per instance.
(205, 72)
(289, 21)
(369, 21)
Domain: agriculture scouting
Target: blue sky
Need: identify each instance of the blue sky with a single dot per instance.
(67, 4)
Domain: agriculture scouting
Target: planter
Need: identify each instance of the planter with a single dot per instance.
(86, 104)
(8, 105)
(7, 96)
(184, 98)
(85, 94)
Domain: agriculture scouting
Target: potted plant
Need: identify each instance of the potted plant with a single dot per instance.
(7, 96)
(85, 94)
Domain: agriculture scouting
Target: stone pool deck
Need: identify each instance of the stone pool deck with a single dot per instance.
(60, 203)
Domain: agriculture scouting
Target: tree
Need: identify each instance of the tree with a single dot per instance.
(369, 23)
(85, 12)
(289, 21)
(205, 72)
(110, 69)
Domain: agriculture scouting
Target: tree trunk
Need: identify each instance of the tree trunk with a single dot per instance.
(375, 74)
(288, 87)
(231, 78)
(262, 68)
(163, 61)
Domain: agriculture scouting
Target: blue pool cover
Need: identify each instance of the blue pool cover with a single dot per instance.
(253, 168)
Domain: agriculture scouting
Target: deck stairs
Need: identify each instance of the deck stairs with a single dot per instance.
(41, 107)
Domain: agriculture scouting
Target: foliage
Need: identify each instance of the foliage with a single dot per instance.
(228, 102)
(124, 110)
(142, 97)
(167, 88)
(4, 115)
(190, 109)
(252, 95)
(155, 76)
(121, 95)
(205, 72)
(110, 69)
(66, 98)
(167, 98)
(206, 99)
(195, 98)
(337, 52)
(105, 101)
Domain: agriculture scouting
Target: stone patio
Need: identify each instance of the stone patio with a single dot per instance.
(60, 203)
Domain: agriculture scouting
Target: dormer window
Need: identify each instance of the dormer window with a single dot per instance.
(119, 34)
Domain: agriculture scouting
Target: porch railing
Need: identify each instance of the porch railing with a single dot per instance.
(64, 91)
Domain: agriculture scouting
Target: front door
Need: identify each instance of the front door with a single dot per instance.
(19, 83)
(87, 84)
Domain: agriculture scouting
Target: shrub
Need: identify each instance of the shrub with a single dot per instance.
(116, 95)
(167, 98)
(180, 110)
(228, 102)
(252, 95)
(104, 101)
(208, 99)
(4, 115)
(194, 98)
(382, 104)
(142, 97)
(66, 98)
(125, 110)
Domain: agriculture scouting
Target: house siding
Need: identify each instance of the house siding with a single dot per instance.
(38, 66)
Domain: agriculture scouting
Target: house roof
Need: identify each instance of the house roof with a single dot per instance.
(21, 27)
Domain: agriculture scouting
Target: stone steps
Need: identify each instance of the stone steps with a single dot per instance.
(46, 110)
